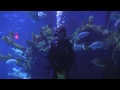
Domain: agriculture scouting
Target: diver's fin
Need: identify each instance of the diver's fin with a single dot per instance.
(61, 75)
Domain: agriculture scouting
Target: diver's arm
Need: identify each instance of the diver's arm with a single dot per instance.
(70, 55)
(51, 54)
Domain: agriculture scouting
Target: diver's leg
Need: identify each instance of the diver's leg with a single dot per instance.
(67, 72)
(67, 75)
(53, 74)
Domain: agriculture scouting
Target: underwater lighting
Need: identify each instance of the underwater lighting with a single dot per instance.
(16, 35)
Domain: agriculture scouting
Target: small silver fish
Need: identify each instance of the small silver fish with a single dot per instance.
(96, 45)
(17, 51)
(83, 34)
(117, 22)
(16, 70)
(41, 14)
(11, 61)
(79, 47)
(23, 56)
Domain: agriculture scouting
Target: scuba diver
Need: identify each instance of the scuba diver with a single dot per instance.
(60, 55)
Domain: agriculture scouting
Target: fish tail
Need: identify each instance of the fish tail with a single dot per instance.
(83, 46)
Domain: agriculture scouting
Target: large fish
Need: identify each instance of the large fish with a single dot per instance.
(96, 45)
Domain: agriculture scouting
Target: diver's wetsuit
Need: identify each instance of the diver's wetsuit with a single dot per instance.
(60, 57)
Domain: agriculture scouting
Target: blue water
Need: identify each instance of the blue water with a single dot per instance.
(20, 22)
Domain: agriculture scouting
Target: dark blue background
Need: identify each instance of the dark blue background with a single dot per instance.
(73, 20)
